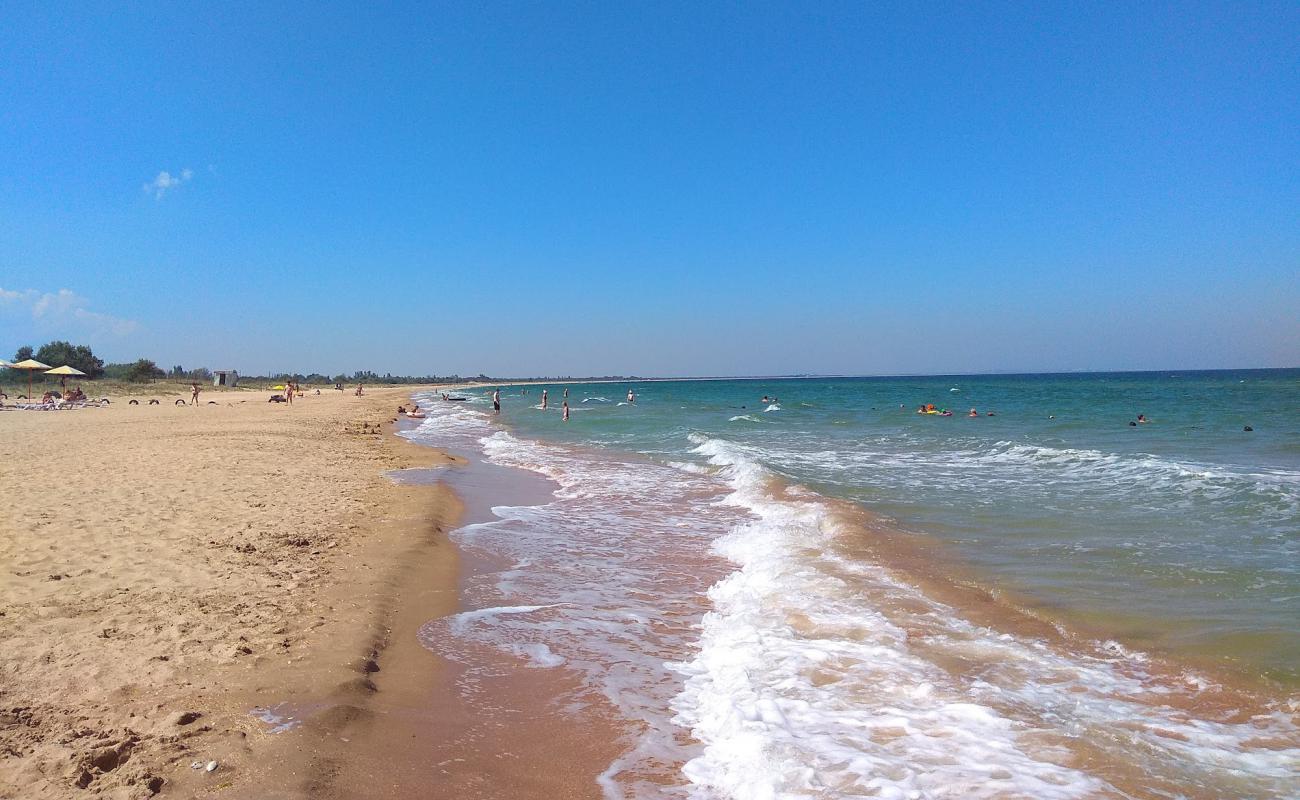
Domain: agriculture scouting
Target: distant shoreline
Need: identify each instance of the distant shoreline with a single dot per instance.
(814, 377)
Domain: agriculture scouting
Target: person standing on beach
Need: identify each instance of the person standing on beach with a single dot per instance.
(543, 399)
(496, 400)
(194, 393)
(566, 410)
(288, 391)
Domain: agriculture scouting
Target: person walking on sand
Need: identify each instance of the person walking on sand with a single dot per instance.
(566, 410)
(496, 400)
(543, 399)
(194, 393)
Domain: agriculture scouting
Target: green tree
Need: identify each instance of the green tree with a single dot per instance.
(58, 353)
(144, 371)
(24, 353)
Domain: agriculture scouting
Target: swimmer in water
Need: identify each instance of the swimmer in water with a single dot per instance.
(543, 399)
(1142, 419)
(973, 413)
(631, 398)
(566, 410)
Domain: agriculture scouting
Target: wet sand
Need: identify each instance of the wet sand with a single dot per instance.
(408, 728)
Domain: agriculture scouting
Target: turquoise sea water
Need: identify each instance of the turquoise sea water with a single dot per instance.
(704, 574)
(1184, 532)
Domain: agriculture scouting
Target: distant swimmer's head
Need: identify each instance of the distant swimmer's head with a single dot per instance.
(1132, 424)
(1248, 429)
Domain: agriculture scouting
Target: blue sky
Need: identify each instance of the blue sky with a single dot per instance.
(660, 189)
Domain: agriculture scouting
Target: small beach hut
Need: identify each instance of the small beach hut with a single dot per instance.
(31, 365)
(225, 377)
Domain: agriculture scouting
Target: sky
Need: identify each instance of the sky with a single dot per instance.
(653, 188)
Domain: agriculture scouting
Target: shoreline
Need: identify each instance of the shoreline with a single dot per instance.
(404, 725)
(1152, 635)
(304, 651)
(1171, 683)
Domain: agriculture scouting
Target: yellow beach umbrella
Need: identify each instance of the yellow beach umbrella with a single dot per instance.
(31, 365)
(63, 372)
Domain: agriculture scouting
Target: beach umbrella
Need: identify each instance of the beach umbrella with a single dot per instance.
(63, 372)
(31, 365)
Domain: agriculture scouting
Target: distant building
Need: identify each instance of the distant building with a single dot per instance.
(225, 377)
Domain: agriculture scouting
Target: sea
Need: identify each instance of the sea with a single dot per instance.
(806, 588)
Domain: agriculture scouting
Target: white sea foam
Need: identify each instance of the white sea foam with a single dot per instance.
(691, 467)
(805, 684)
(688, 596)
(538, 654)
(460, 622)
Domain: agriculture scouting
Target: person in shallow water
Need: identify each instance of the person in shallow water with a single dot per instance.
(543, 399)
(1142, 419)
(496, 399)
(973, 413)
(566, 410)
(631, 398)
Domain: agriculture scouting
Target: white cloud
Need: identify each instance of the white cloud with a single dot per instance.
(166, 181)
(63, 309)
(61, 302)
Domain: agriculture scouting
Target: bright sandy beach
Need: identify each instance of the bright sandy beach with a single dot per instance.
(166, 569)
